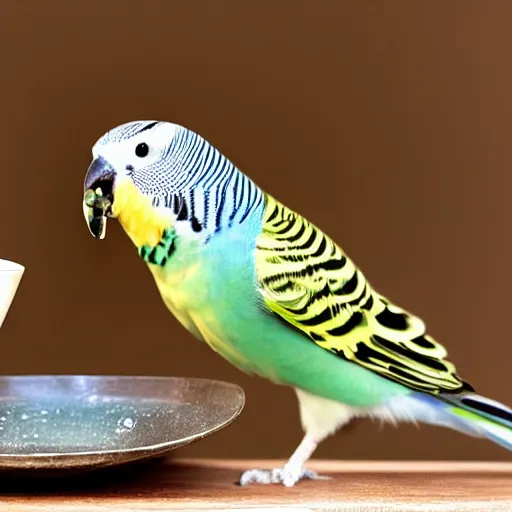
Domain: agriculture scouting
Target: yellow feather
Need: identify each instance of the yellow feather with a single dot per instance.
(143, 222)
(306, 279)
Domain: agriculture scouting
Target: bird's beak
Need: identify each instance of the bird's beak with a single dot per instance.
(98, 196)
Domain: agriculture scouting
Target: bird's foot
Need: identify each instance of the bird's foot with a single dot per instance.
(286, 476)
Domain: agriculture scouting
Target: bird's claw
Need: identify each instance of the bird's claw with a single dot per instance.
(278, 476)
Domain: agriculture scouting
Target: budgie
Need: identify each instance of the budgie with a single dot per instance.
(272, 294)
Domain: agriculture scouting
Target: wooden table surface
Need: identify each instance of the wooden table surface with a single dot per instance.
(210, 485)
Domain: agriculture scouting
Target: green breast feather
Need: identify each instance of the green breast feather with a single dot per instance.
(305, 278)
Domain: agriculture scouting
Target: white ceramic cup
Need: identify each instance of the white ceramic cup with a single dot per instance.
(10, 277)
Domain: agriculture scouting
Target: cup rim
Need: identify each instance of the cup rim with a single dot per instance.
(10, 266)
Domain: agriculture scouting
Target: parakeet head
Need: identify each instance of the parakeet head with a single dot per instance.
(141, 174)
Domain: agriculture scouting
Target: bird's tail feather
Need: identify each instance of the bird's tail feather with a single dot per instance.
(472, 414)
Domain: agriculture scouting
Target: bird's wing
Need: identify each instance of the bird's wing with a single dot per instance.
(305, 278)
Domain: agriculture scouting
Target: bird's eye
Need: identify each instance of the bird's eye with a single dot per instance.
(142, 150)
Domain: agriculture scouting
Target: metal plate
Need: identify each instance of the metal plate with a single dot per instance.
(62, 423)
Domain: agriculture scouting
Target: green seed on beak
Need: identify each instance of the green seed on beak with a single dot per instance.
(90, 198)
(96, 209)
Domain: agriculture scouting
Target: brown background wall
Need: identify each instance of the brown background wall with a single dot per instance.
(386, 123)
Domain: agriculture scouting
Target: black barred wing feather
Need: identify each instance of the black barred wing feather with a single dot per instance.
(305, 278)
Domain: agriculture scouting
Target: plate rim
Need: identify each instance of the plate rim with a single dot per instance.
(143, 448)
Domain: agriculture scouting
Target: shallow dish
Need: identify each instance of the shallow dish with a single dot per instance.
(66, 422)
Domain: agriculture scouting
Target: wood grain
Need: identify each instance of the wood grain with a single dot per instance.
(210, 485)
